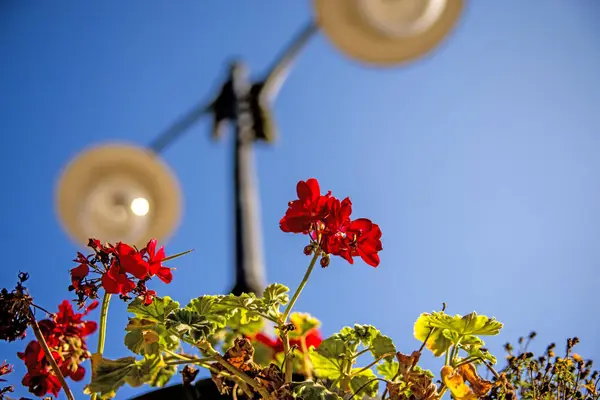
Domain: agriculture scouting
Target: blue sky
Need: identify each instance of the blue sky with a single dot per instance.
(479, 163)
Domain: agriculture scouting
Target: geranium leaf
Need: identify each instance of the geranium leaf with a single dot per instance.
(324, 367)
(188, 323)
(436, 342)
(146, 337)
(208, 306)
(276, 295)
(312, 391)
(388, 369)
(381, 345)
(157, 311)
(477, 352)
(358, 382)
(109, 375)
(151, 370)
(470, 324)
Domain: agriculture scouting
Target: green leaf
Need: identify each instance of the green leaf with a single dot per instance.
(388, 369)
(276, 295)
(470, 324)
(209, 307)
(312, 391)
(381, 345)
(157, 311)
(163, 376)
(247, 305)
(240, 324)
(425, 372)
(110, 375)
(151, 370)
(437, 342)
(188, 323)
(147, 337)
(471, 340)
(367, 378)
(324, 367)
(448, 330)
(476, 351)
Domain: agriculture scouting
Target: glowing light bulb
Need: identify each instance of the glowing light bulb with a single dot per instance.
(140, 206)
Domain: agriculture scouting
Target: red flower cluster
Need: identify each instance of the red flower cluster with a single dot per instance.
(122, 269)
(327, 221)
(65, 335)
(312, 338)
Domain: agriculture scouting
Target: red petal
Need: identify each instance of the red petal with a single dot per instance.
(80, 271)
(361, 224)
(315, 190)
(345, 209)
(308, 191)
(151, 247)
(165, 274)
(78, 374)
(370, 258)
(88, 328)
(109, 284)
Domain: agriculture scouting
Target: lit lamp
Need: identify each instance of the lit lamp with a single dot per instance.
(118, 192)
(387, 32)
(125, 193)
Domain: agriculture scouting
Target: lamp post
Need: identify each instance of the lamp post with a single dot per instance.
(138, 197)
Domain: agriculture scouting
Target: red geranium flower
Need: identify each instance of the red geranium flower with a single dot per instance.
(310, 207)
(312, 339)
(122, 270)
(327, 221)
(65, 334)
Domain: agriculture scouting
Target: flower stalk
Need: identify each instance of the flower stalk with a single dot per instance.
(48, 353)
(101, 333)
(289, 360)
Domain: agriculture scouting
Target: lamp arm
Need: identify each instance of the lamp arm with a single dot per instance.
(174, 132)
(280, 69)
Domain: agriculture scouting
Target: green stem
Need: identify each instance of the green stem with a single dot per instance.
(48, 353)
(284, 332)
(101, 333)
(360, 371)
(289, 358)
(288, 310)
(102, 326)
(360, 353)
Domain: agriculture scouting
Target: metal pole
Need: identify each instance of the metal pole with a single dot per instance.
(239, 101)
(249, 266)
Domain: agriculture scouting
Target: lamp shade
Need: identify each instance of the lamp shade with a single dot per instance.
(387, 32)
(117, 192)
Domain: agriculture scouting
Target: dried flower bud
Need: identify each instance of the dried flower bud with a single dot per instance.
(189, 374)
(308, 250)
(532, 335)
(15, 311)
(325, 260)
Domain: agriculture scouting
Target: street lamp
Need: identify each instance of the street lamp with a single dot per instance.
(122, 192)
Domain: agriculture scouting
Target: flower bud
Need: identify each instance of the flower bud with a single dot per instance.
(308, 250)
(325, 261)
